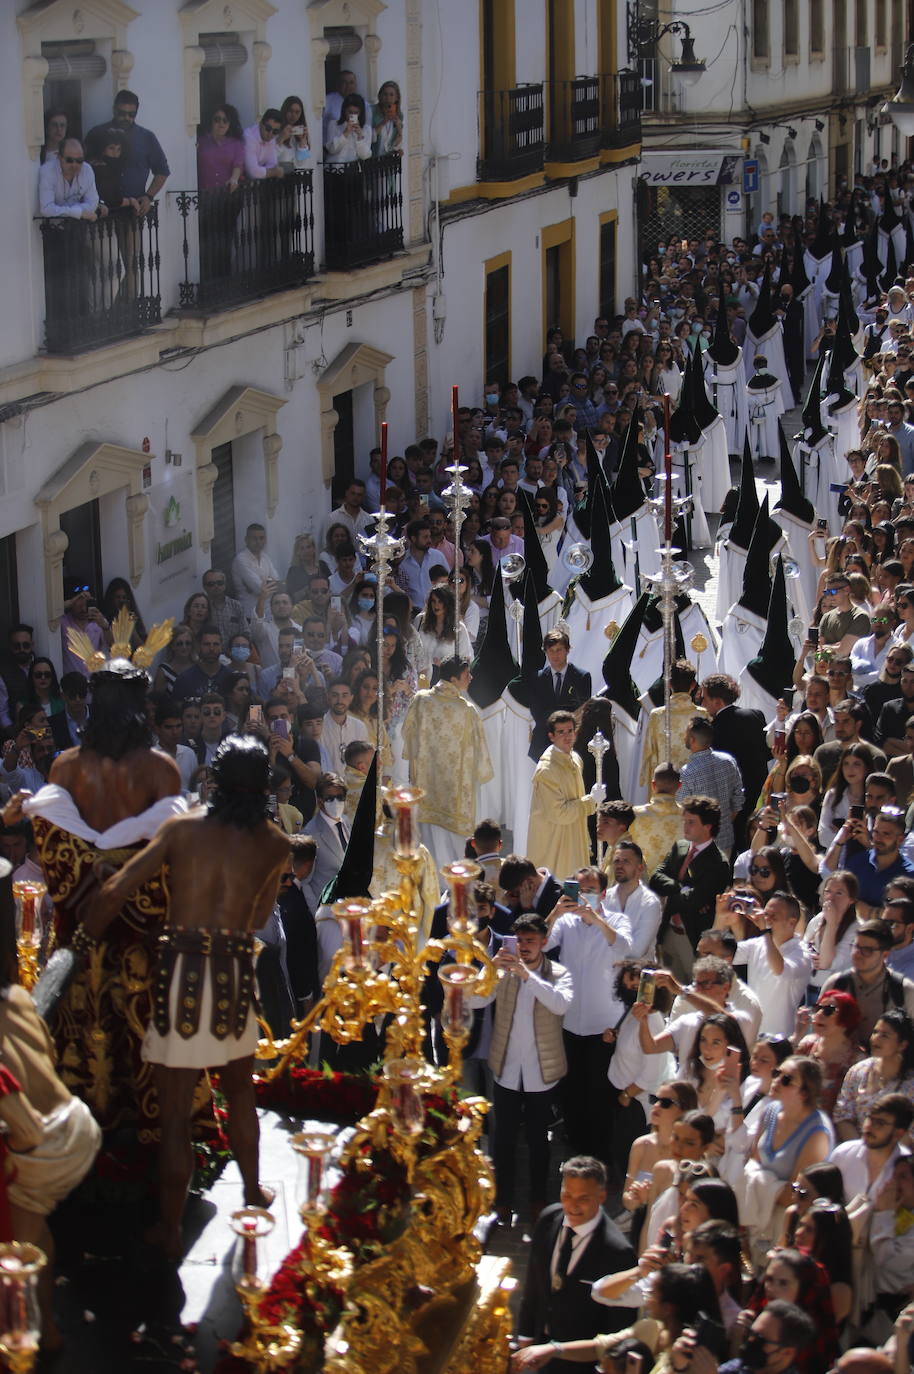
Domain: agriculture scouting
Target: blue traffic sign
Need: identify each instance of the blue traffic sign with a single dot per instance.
(750, 175)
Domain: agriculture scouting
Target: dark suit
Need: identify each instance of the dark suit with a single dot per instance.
(301, 944)
(693, 897)
(543, 701)
(741, 732)
(571, 1313)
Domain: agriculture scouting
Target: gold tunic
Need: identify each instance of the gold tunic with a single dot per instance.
(558, 838)
(683, 709)
(445, 745)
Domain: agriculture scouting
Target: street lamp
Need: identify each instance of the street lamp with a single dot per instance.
(645, 33)
(901, 106)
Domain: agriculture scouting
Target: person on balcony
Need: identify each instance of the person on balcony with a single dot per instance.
(347, 85)
(293, 144)
(220, 167)
(143, 159)
(387, 122)
(66, 185)
(350, 138)
(55, 133)
(268, 207)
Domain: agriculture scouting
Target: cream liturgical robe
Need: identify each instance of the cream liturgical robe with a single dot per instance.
(445, 744)
(557, 838)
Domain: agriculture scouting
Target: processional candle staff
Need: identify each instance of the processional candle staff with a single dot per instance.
(382, 549)
(597, 748)
(667, 589)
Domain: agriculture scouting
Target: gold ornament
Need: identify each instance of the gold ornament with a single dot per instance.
(698, 644)
(612, 629)
(81, 646)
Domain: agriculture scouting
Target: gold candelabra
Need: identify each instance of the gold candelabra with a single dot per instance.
(380, 969)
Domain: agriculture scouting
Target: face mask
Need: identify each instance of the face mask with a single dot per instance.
(491, 398)
(333, 806)
(240, 653)
(710, 1063)
(696, 328)
(365, 603)
(752, 1352)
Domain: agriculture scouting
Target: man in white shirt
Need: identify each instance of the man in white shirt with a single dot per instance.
(633, 1075)
(252, 570)
(722, 944)
(866, 1164)
(779, 965)
(351, 513)
(590, 944)
(629, 895)
(265, 629)
(66, 185)
(526, 1058)
(415, 570)
(168, 736)
(340, 728)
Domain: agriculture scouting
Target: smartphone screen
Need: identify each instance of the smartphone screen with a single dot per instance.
(510, 944)
(571, 888)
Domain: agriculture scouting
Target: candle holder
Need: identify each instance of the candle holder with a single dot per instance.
(403, 801)
(597, 748)
(403, 1080)
(461, 877)
(29, 895)
(20, 1316)
(264, 1346)
(459, 982)
(313, 1150)
(382, 549)
(354, 916)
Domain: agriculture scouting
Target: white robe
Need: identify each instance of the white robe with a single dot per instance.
(714, 462)
(730, 379)
(517, 769)
(587, 622)
(800, 590)
(491, 798)
(846, 427)
(731, 566)
(766, 405)
(625, 738)
(690, 483)
(741, 638)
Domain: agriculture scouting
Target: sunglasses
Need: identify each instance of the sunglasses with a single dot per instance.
(271, 128)
(689, 1169)
(800, 1190)
(759, 870)
(78, 160)
(786, 1078)
(664, 1102)
(833, 591)
(826, 1008)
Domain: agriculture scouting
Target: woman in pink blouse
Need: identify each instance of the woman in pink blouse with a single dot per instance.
(220, 164)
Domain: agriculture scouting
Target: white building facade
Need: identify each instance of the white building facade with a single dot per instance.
(153, 404)
(794, 86)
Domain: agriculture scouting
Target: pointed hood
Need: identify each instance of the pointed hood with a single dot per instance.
(784, 269)
(747, 503)
(763, 318)
(813, 428)
(355, 872)
(846, 308)
(887, 278)
(705, 410)
(889, 219)
(773, 668)
(617, 665)
(835, 385)
(533, 549)
(684, 428)
(532, 654)
(835, 272)
(723, 350)
(627, 490)
(494, 666)
(849, 234)
(799, 279)
(791, 498)
(821, 245)
(602, 578)
(756, 591)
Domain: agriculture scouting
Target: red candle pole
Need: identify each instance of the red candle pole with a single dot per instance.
(383, 473)
(668, 471)
(455, 406)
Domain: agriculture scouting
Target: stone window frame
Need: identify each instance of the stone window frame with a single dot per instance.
(223, 16)
(242, 410)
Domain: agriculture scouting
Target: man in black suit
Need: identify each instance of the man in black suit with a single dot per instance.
(741, 733)
(523, 887)
(560, 686)
(298, 922)
(489, 911)
(689, 880)
(574, 1243)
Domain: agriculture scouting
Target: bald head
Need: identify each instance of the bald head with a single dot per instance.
(861, 1360)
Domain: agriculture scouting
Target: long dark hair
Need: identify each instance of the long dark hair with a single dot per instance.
(733, 1033)
(55, 685)
(719, 1198)
(449, 623)
(117, 723)
(241, 776)
(234, 120)
(352, 99)
(689, 1289)
(109, 611)
(486, 571)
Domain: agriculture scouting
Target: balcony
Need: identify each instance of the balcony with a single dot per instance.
(574, 108)
(243, 244)
(363, 211)
(513, 133)
(623, 97)
(101, 279)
